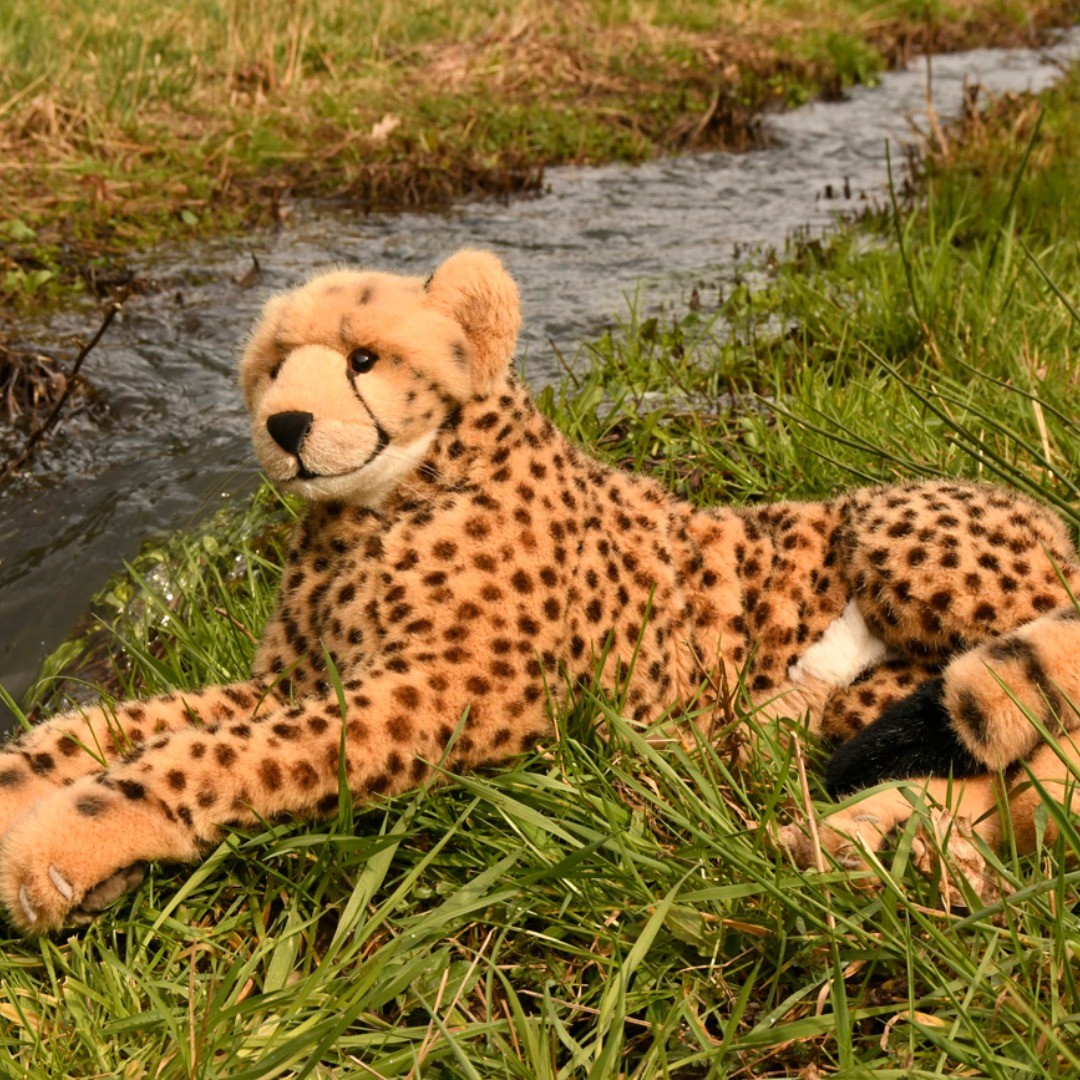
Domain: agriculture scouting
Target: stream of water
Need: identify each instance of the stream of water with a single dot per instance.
(173, 442)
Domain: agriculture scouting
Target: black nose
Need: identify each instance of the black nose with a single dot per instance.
(288, 429)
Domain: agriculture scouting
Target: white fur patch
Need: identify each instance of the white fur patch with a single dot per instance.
(389, 468)
(370, 484)
(845, 649)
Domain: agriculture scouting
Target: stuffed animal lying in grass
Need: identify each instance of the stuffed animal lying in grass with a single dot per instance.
(461, 560)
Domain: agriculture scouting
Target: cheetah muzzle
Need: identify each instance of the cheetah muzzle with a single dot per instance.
(459, 557)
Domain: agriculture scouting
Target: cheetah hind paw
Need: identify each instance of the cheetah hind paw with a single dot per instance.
(948, 855)
(942, 850)
(812, 849)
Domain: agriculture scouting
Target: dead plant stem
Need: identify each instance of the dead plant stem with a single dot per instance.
(39, 433)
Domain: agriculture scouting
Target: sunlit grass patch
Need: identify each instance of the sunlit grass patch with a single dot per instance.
(611, 904)
(945, 347)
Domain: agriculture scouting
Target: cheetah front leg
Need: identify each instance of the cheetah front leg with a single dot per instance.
(82, 742)
(170, 800)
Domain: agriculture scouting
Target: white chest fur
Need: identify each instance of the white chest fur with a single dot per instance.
(845, 649)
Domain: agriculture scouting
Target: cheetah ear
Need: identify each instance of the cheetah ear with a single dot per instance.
(474, 289)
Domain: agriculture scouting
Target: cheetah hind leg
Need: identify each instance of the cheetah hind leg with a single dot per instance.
(979, 806)
(954, 813)
(912, 737)
(977, 716)
(966, 727)
(1051, 773)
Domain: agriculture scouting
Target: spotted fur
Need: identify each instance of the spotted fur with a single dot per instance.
(461, 560)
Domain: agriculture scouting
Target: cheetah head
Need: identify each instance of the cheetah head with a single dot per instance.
(349, 377)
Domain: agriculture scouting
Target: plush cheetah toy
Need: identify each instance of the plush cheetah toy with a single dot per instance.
(460, 559)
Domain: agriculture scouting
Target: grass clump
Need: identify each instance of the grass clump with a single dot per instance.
(940, 341)
(609, 906)
(151, 120)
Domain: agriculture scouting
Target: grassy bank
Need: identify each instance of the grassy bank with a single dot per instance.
(612, 908)
(124, 125)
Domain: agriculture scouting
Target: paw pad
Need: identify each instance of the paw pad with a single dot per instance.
(112, 888)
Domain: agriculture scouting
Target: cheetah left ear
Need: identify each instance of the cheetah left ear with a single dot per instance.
(474, 289)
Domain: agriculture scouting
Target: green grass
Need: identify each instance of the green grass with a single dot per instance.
(608, 907)
(125, 124)
(942, 343)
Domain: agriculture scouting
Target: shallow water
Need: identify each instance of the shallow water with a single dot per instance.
(174, 444)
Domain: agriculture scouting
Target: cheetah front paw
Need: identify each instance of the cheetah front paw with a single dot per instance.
(76, 851)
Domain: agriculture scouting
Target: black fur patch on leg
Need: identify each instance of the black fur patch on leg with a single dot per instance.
(912, 737)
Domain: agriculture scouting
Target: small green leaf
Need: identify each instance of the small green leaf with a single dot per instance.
(17, 231)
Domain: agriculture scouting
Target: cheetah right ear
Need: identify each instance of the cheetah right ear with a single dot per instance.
(474, 289)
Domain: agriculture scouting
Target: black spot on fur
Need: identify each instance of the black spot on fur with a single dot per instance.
(42, 763)
(1021, 651)
(270, 774)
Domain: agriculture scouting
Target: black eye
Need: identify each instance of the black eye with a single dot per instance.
(361, 360)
